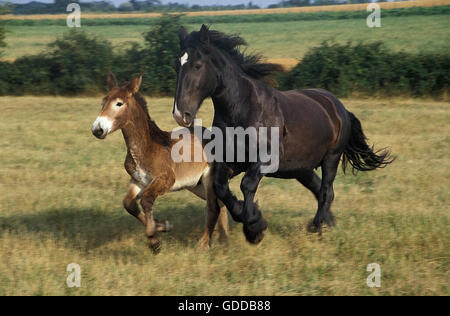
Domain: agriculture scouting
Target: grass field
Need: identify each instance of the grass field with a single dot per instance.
(61, 203)
(412, 34)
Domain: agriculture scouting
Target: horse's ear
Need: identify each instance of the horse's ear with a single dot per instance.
(112, 81)
(135, 84)
(182, 34)
(204, 36)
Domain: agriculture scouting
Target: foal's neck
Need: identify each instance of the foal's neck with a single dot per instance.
(137, 135)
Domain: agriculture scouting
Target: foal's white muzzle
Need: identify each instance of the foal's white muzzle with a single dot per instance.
(101, 127)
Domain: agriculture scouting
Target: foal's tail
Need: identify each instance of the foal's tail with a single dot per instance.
(359, 155)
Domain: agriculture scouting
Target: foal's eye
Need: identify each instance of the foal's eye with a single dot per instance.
(197, 66)
(119, 104)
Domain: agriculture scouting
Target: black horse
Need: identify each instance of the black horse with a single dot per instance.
(315, 128)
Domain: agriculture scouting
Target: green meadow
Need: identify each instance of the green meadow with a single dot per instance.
(273, 39)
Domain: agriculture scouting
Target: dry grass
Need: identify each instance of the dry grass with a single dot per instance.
(61, 203)
(326, 8)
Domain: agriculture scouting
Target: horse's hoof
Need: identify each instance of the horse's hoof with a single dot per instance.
(313, 228)
(155, 246)
(255, 232)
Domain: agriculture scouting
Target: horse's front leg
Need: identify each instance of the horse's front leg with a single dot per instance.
(223, 192)
(159, 186)
(254, 224)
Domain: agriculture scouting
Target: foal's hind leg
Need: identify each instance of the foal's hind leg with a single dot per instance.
(326, 194)
(223, 223)
(159, 186)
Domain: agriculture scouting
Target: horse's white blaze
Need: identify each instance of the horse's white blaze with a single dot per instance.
(104, 123)
(184, 59)
(176, 111)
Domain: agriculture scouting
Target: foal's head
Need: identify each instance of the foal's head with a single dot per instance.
(118, 106)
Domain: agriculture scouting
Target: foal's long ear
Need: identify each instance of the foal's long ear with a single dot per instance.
(182, 34)
(204, 36)
(135, 84)
(112, 81)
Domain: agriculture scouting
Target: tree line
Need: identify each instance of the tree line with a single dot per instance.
(77, 63)
(59, 6)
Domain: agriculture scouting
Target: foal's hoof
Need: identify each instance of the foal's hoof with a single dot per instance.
(155, 246)
(203, 245)
(164, 227)
(255, 232)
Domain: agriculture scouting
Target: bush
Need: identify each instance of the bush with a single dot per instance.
(155, 58)
(79, 63)
(369, 68)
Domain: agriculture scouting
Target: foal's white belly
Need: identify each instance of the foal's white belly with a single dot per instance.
(143, 178)
(188, 182)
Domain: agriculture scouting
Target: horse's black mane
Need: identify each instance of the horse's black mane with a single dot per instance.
(157, 134)
(251, 64)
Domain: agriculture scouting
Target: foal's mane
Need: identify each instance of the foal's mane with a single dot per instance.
(157, 134)
(251, 64)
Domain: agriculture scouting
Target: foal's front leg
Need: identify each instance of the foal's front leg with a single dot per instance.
(159, 186)
(130, 202)
(254, 224)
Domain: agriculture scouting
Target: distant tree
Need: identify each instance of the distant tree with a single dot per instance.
(2, 30)
(155, 57)
(78, 62)
(60, 6)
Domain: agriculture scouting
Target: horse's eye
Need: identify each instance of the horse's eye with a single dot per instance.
(119, 104)
(197, 66)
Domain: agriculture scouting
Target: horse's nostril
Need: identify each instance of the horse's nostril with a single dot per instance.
(98, 132)
(187, 116)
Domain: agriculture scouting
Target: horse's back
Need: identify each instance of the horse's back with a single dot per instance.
(313, 121)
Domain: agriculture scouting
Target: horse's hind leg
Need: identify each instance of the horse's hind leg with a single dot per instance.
(311, 181)
(326, 194)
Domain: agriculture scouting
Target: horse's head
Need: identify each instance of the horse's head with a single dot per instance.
(196, 75)
(117, 106)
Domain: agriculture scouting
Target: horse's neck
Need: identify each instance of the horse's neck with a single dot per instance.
(232, 101)
(138, 138)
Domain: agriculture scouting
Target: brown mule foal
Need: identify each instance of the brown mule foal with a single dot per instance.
(150, 165)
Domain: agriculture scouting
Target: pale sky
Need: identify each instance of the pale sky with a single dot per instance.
(261, 3)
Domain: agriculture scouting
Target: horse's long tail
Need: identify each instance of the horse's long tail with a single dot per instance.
(359, 154)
